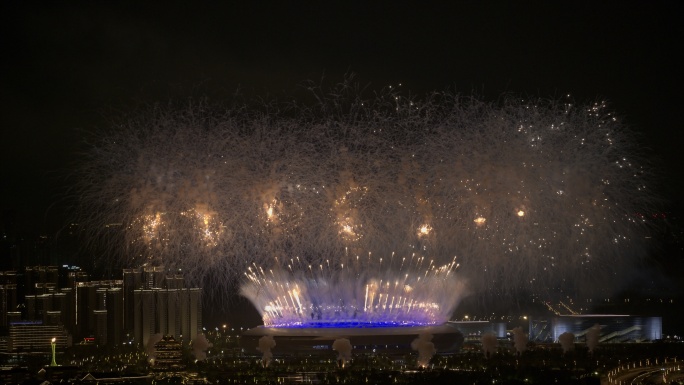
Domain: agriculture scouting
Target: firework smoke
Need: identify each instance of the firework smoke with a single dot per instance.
(343, 347)
(200, 345)
(489, 344)
(593, 335)
(529, 195)
(519, 340)
(266, 343)
(567, 341)
(425, 347)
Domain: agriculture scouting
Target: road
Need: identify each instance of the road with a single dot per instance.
(645, 373)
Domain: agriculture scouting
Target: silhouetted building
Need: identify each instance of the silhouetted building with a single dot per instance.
(175, 281)
(447, 338)
(8, 302)
(53, 317)
(14, 375)
(153, 276)
(64, 302)
(86, 303)
(176, 312)
(100, 326)
(147, 301)
(36, 278)
(145, 312)
(132, 280)
(33, 336)
(8, 277)
(30, 305)
(74, 277)
(115, 320)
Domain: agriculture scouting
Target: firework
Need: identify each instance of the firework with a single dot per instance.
(530, 195)
(355, 292)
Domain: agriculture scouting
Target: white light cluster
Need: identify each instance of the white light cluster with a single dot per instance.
(362, 292)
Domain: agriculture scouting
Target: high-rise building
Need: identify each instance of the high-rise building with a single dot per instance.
(101, 298)
(65, 301)
(115, 320)
(85, 303)
(145, 320)
(30, 277)
(176, 312)
(52, 275)
(162, 311)
(174, 281)
(8, 301)
(53, 317)
(43, 305)
(44, 288)
(92, 296)
(173, 321)
(8, 277)
(30, 307)
(100, 326)
(36, 278)
(74, 277)
(153, 277)
(132, 280)
(147, 301)
(191, 313)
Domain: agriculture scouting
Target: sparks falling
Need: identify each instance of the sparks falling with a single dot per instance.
(530, 195)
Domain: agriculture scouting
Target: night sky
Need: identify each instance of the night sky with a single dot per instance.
(68, 67)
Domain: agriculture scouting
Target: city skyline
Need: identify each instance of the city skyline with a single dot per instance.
(137, 308)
